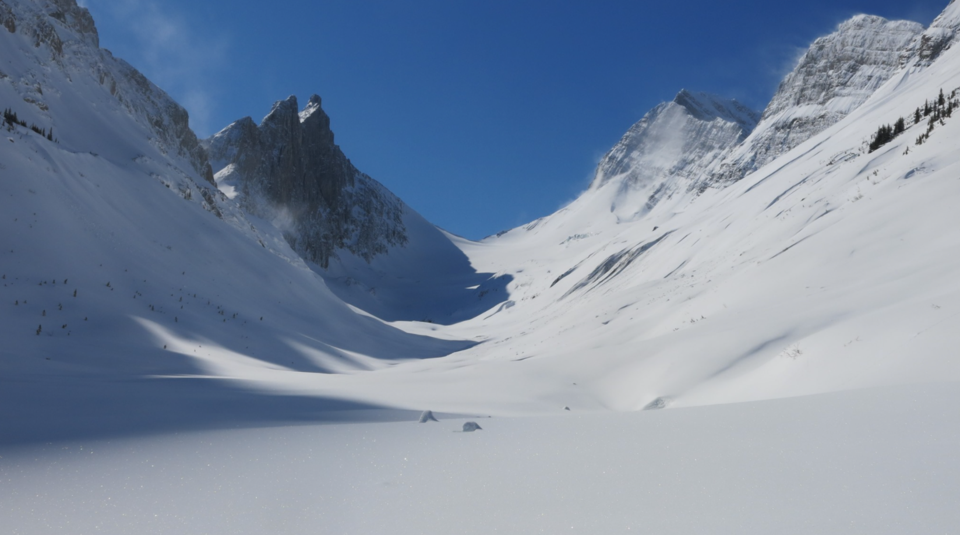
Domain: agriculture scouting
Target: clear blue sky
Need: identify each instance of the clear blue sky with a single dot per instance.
(481, 115)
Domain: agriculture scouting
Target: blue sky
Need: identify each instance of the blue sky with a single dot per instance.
(481, 115)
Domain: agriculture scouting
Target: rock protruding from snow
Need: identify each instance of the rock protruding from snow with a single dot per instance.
(470, 427)
(834, 77)
(427, 416)
(674, 145)
(289, 170)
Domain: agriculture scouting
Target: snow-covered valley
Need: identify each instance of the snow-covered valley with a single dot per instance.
(244, 347)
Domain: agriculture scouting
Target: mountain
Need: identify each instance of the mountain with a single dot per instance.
(824, 267)
(289, 170)
(63, 35)
(121, 263)
(372, 250)
(672, 147)
(820, 269)
(834, 77)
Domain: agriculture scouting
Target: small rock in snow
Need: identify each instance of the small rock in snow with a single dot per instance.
(470, 427)
(428, 416)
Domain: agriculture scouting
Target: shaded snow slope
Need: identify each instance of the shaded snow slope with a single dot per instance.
(122, 266)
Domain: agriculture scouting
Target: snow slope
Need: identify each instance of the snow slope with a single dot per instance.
(122, 265)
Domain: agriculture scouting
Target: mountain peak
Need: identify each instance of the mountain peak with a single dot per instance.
(674, 143)
(285, 105)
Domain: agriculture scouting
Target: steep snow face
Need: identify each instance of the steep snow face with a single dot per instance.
(289, 170)
(670, 149)
(63, 39)
(836, 75)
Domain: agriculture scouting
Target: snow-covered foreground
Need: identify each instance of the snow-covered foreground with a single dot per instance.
(872, 461)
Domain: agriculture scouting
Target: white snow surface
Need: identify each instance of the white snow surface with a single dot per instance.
(873, 462)
(181, 339)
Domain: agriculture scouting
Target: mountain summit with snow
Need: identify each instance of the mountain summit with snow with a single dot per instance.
(671, 149)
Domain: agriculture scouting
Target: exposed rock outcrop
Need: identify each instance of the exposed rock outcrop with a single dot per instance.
(289, 170)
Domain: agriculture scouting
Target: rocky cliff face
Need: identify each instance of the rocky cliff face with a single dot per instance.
(289, 170)
(66, 46)
(836, 75)
(673, 146)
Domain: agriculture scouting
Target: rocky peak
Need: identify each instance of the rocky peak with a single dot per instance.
(76, 18)
(670, 149)
(288, 169)
(835, 76)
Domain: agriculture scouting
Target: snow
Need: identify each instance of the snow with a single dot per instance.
(877, 461)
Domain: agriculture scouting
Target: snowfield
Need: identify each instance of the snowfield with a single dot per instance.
(670, 353)
(877, 461)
